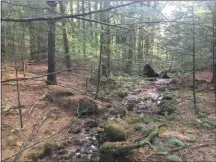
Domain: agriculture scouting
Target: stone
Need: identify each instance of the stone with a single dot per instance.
(130, 107)
(117, 112)
(168, 106)
(117, 130)
(75, 130)
(87, 106)
(149, 72)
(90, 123)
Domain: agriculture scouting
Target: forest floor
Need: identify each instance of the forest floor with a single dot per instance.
(188, 136)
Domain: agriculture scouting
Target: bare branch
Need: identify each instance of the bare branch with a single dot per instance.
(46, 18)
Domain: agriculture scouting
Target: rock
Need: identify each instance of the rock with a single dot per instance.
(75, 130)
(61, 152)
(90, 123)
(87, 106)
(174, 81)
(47, 97)
(164, 75)
(76, 141)
(117, 112)
(130, 107)
(167, 96)
(122, 93)
(78, 155)
(131, 99)
(149, 72)
(168, 106)
(117, 130)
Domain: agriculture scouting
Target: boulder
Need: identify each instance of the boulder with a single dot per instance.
(91, 123)
(87, 106)
(164, 75)
(117, 130)
(168, 106)
(149, 72)
(117, 112)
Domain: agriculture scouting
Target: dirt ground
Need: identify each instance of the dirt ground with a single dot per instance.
(42, 118)
(35, 111)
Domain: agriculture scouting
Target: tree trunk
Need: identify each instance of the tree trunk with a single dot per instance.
(95, 24)
(90, 17)
(65, 38)
(84, 31)
(72, 27)
(78, 11)
(33, 42)
(3, 42)
(106, 46)
(130, 52)
(51, 79)
(42, 40)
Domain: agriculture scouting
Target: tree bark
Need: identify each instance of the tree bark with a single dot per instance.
(51, 79)
(42, 40)
(90, 17)
(65, 38)
(78, 11)
(106, 45)
(3, 42)
(33, 42)
(95, 24)
(84, 31)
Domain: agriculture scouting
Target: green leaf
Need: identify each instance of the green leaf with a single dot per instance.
(174, 158)
(175, 141)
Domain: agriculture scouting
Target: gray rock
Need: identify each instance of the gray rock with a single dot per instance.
(75, 130)
(91, 123)
(117, 112)
(87, 106)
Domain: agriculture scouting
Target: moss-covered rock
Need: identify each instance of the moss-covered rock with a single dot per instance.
(168, 106)
(41, 151)
(87, 106)
(122, 93)
(168, 95)
(117, 130)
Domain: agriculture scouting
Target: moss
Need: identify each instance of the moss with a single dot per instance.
(144, 129)
(168, 106)
(109, 146)
(87, 106)
(167, 95)
(132, 118)
(118, 130)
(40, 151)
(122, 93)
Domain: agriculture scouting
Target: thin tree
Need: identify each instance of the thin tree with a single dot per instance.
(106, 43)
(84, 31)
(194, 63)
(65, 38)
(51, 79)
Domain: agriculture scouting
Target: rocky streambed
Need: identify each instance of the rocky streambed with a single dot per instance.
(94, 128)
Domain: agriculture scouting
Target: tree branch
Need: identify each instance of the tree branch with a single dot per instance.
(31, 78)
(66, 16)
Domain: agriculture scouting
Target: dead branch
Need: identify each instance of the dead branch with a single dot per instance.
(32, 78)
(46, 18)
